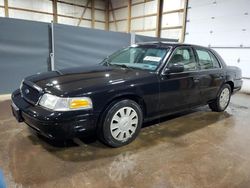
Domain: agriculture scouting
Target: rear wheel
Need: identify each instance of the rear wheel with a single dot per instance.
(222, 100)
(122, 123)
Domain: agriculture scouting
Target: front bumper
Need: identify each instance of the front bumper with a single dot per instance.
(51, 124)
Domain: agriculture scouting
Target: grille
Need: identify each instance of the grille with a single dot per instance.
(30, 93)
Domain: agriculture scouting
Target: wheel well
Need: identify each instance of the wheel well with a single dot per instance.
(135, 98)
(231, 85)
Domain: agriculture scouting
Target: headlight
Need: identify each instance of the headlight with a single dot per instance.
(65, 104)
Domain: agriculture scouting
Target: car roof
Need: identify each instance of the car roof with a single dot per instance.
(165, 44)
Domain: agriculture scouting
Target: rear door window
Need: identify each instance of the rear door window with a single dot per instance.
(206, 59)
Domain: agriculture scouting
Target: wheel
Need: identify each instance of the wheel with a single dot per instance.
(222, 100)
(121, 124)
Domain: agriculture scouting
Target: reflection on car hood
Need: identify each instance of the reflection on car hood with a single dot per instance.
(87, 79)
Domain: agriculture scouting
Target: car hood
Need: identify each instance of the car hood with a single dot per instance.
(82, 80)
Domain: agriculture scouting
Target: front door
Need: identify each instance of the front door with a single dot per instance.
(179, 91)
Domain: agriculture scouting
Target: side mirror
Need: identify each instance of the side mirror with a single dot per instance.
(174, 68)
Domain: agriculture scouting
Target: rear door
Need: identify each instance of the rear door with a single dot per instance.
(211, 74)
(178, 91)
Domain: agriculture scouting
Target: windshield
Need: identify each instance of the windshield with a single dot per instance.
(137, 57)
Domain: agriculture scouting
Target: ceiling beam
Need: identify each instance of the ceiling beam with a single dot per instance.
(184, 22)
(83, 12)
(174, 11)
(143, 30)
(132, 4)
(113, 14)
(55, 19)
(129, 16)
(121, 7)
(107, 15)
(172, 27)
(78, 5)
(159, 17)
(6, 8)
(143, 16)
(138, 3)
(93, 13)
(120, 20)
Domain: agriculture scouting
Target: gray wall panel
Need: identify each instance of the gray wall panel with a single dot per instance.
(75, 46)
(24, 50)
(142, 38)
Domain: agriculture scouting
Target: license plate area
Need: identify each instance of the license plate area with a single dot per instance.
(16, 112)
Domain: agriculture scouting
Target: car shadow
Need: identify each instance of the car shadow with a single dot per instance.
(164, 130)
(93, 138)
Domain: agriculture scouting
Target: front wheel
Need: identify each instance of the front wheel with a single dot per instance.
(122, 123)
(222, 100)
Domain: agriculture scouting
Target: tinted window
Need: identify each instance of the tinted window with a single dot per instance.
(184, 56)
(207, 59)
(216, 64)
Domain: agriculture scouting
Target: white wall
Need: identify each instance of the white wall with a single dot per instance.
(148, 23)
(140, 24)
(1, 12)
(173, 19)
(41, 5)
(1, 9)
(222, 24)
(76, 11)
(119, 14)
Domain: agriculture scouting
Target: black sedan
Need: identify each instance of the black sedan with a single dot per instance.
(134, 85)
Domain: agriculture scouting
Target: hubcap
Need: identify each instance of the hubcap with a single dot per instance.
(224, 98)
(124, 123)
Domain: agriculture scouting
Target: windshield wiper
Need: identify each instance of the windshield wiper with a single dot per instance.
(106, 62)
(121, 65)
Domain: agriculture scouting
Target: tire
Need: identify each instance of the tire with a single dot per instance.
(222, 100)
(121, 123)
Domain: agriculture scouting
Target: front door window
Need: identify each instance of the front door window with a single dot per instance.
(184, 56)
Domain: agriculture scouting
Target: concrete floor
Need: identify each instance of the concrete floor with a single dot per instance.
(199, 148)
